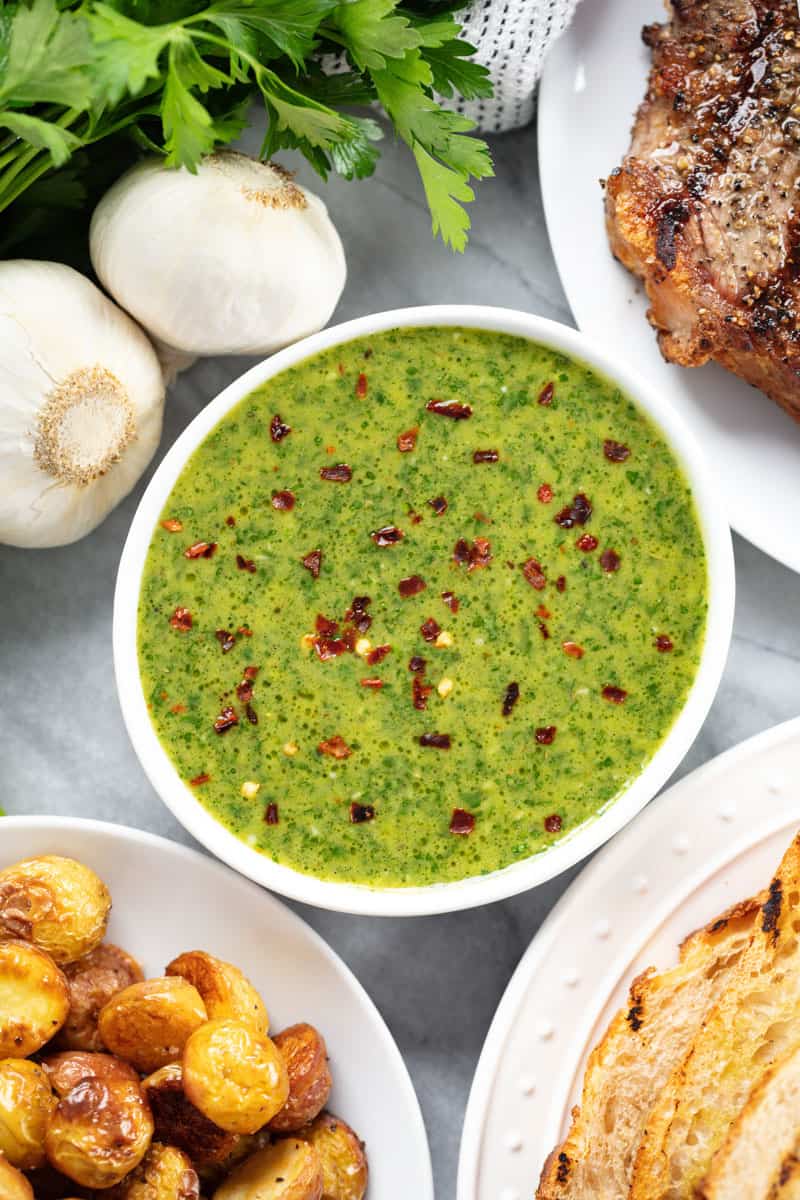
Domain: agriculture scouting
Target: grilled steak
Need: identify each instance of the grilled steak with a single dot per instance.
(706, 207)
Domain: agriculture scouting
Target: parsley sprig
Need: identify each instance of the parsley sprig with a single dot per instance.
(85, 86)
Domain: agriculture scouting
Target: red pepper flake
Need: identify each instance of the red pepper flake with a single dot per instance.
(510, 698)
(587, 542)
(172, 525)
(326, 647)
(438, 504)
(546, 735)
(480, 554)
(451, 600)
(361, 386)
(359, 813)
(226, 640)
(230, 521)
(271, 814)
(449, 408)
(340, 368)
(545, 493)
(416, 518)
(572, 649)
(250, 672)
(283, 501)
(532, 570)
(419, 693)
(278, 430)
(378, 655)
(543, 612)
(461, 821)
(615, 452)
(439, 741)
(553, 823)
(325, 627)
(357, 613)
(244, 691)
(200, 550)
(561, 583)
(181, 619)
(417, 664)
(199, 780)
(614, 695)
(485, 456)
(372, 683)
(430, 629)
(245, 564)
(543, 630)
(336, 747)
(610, 561)
(411, 585)
(244, 631)
(388, 535)
(407, 441)
(577, 513)
(546, 395)
(341, 473)
(251, 714)
(313, 563)
(461, 552)
(226, 720)
(178, 709)
(663, 643)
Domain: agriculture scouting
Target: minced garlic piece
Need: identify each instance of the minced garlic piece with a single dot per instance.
(307, 641)
(363, 647)
(250, 789)
(444, 687)
(444, 639)
(290, 748)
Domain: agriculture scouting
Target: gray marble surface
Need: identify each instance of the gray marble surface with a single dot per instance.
(63, 747)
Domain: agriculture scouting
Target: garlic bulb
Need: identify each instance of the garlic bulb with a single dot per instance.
(237, 259)
(81, 401)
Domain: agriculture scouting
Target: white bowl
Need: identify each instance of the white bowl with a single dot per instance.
(466, 893)
(168, 899)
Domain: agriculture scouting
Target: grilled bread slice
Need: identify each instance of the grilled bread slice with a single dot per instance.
(643, 1044)
(754, 1023)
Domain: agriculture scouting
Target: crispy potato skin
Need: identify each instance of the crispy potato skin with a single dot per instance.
(225, 990)
(26, 1102)
(149, 1023)
(164, 1173)
(93, 980)
(235, 1075)
(303, 1050)
(13, 1184)
(288, 1170)
(57, 903)
(34, 999)
(179, 1123)
(101, 1127)
(345, 1172)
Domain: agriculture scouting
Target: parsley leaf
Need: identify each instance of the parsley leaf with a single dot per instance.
(45, 55)
(42, 134)
(373, 30)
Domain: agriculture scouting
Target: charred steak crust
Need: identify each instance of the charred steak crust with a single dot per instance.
(706, 206)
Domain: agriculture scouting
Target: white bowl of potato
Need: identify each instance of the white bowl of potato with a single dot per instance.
(138, 1051)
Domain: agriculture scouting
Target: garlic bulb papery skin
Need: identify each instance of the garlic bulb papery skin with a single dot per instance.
(81, 404)
(236, 259)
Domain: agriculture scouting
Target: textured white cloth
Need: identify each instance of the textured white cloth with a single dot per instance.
(512, 38)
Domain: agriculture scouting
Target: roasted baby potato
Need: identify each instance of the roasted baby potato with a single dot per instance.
(26, 1102)
(56, 903)
(180, 1124)
(235, 1075)
(148, 1023)
(163, 1174)
(13, 1184)
(93, 980)
(34, 999)
(288, 1170)
(225, 990)
(101, 1127)
(344, 1163)
(303, 1050)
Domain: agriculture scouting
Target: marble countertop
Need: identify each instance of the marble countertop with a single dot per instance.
(64, 750)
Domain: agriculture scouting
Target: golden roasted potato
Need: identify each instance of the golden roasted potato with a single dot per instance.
(93, 980)
(288, 1170)
(26, 1102)
(148, 1023)
(13, 1184)
(344, 1162)
(225, 990)
(164, 1173)
(303, 1050)
(235, 1075)
(34, 999)
(101, 1127)
(57, 903)
(180, 1124)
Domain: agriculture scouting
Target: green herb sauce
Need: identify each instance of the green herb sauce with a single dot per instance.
(640, 627)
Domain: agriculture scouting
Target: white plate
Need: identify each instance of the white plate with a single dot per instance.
(592, 86)
(168, 899)
(714, 838)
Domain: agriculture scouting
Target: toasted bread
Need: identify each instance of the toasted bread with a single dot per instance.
(643, 1044)
(755, 1022)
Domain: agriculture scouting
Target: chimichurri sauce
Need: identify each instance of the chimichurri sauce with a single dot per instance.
(421, 605)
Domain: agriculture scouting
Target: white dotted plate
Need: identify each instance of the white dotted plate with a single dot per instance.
(710, 840)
